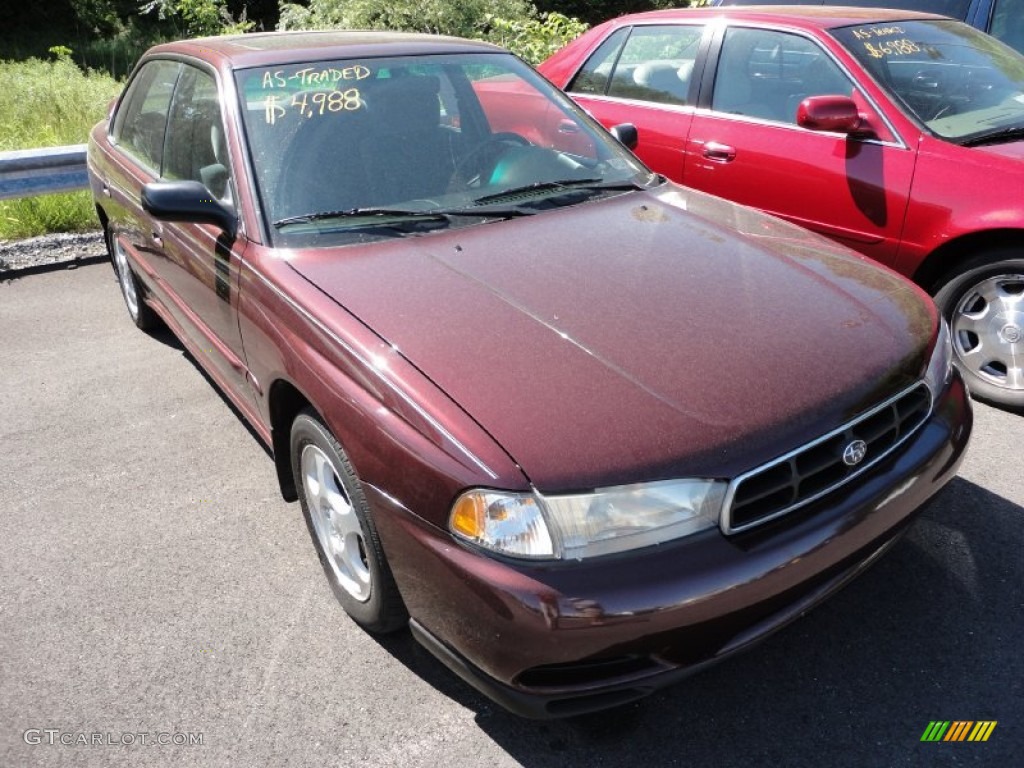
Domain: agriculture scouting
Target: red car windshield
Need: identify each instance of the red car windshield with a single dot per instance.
(958, 82)
(350, 150)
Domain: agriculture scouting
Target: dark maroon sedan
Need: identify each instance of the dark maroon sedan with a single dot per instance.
(583, 430)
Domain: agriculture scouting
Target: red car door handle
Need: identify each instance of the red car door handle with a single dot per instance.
(720, 153)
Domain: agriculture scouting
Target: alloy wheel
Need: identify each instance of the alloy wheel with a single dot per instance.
(336, 524)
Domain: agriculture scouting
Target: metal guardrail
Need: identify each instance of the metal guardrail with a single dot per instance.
(30, 172)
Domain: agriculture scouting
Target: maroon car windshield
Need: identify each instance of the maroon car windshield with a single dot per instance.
(351, 150)
(958, 82)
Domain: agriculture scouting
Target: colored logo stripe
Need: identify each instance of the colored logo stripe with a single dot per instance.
(958, 730)
(982, 730)
(935, 731)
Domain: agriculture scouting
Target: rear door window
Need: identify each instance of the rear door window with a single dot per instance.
(597, 72)
(655, 64)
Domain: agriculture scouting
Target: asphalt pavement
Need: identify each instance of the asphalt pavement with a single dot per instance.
(161, 605)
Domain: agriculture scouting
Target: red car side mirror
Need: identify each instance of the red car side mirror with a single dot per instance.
(831, 113)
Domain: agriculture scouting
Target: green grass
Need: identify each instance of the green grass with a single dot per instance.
(31, 216)
(44, 104)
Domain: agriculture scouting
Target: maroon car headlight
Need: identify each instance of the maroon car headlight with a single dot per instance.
(510, 523)
(587, 525)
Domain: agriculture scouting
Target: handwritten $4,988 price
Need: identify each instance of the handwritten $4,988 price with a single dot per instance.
(309, 104)
(901, 47)
(317, 103)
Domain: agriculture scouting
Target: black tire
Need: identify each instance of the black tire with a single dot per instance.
(375, 604)
(983, 300)
(132, 290)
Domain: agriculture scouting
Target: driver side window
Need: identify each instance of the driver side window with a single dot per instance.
(195, 148)
(766, 74)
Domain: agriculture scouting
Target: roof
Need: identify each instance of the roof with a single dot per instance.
(802, 16)
(268, 48)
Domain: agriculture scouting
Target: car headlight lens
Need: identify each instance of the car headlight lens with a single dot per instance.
(585, 525)
(511, 523)
(940, 367)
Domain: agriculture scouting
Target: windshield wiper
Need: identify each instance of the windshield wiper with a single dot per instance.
(566, 185)
(411, 216)
(372, 213)
(995, 137)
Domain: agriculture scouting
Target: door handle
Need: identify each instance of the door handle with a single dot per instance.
(106, 189)
(568, 126)
(719, 153)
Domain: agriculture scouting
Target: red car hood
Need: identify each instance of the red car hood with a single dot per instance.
(1014, 150)
(632, 339)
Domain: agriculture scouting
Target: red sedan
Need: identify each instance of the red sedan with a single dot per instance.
(899, 134)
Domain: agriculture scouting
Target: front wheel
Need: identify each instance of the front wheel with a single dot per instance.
(342, 528)
(984, 304)
(140, 312)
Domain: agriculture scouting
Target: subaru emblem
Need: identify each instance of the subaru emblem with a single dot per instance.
(854, 453)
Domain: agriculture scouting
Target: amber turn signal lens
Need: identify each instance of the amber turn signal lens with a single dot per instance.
(468, 516)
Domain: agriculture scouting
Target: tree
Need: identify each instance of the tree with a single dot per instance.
(597, 11)
(200, 17)
(465, 18)
(536, 39)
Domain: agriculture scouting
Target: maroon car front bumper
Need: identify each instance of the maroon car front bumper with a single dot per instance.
(562, 639)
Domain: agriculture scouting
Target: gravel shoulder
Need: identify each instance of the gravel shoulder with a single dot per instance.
(37, 253)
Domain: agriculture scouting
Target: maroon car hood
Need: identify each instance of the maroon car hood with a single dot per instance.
(630, 339)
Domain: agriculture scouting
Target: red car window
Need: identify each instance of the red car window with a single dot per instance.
(766, 74)
(655, 64)
(958, 82)
(596, 73)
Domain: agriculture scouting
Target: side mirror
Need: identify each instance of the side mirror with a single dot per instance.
(831, 113)
(188, 201)
(626, 134)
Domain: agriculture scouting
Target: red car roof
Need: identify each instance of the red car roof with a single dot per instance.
(800, 16)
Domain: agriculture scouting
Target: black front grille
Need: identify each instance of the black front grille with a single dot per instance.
(808, 473)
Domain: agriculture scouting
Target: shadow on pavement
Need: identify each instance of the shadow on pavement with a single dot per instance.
(9, 274)
(164, 335)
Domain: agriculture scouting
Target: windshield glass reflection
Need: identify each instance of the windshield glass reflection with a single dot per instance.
(348, 151)
(960, 83)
